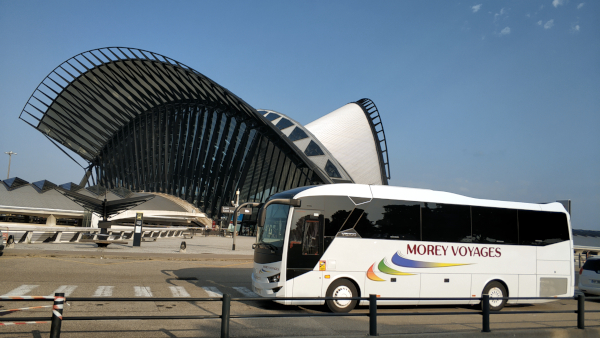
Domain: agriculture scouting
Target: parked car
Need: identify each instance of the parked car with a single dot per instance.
(589, 276)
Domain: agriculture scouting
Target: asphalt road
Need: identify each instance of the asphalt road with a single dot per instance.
(106, 277)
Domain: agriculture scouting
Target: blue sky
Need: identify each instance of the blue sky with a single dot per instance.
(489, 99)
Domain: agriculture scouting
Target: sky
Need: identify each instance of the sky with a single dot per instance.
(488, 99)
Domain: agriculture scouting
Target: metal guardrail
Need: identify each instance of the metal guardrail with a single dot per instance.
(225, 316)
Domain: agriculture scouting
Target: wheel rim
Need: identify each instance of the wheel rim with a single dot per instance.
(495, 292)
(342, 291)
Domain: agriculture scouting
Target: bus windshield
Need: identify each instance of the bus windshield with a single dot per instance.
(273, 232)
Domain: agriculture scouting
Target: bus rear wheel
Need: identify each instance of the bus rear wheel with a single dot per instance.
(496, 290)
(341, 288)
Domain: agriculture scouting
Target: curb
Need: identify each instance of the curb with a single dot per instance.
(592, 332)
(124, 255)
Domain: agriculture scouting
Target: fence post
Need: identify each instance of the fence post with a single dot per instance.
(485, 312)
(581, 311)
(225, 316)
(57, 310)
(373, 315)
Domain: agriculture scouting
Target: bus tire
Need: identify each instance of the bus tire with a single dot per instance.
(496, 289)
(341, 288)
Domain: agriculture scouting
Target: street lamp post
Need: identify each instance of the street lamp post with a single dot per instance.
(10, 154)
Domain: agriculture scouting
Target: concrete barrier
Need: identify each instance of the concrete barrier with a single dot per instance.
(26, 234)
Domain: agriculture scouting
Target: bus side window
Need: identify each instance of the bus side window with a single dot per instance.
(446, 223)
(542, 227)
(494, 225)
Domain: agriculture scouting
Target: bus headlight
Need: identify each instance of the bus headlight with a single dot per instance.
(274, 279)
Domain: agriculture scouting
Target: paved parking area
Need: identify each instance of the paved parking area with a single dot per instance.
(198, 247)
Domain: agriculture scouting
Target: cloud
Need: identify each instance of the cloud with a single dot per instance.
(549, 24)
(505, 31)
(580, 5)
(557, 3)
(502, 12)
(476, 8)
(574, 28)
(539, 22)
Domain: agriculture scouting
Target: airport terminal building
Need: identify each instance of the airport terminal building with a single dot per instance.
(144, 122)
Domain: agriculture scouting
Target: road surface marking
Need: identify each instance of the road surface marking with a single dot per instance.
(212, 291)
(104, 291)
(142, 291)
(245, 291)
(66, 289)
(179, 291)
(21, 290)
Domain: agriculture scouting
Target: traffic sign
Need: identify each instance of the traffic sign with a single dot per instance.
(227, 210)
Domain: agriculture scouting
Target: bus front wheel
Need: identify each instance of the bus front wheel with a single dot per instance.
(496, 290)
(341, 288)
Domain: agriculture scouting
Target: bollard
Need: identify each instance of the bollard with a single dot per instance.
(57, 311)
(485, 312)
(373, 315)
(225, 316)
(581, 311)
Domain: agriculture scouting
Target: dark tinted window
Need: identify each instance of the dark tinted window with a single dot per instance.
(305, 241)
(297, 134)
(592, 264)
(542, 227)
(337, 210)
(272, 116)
(332, 170)
(355, 216)
(313, 149)
(494, 225)
(312, 238)
(390, 219)
(284, 123)
(446, 223)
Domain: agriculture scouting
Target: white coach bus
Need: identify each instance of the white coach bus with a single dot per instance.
(352, 240)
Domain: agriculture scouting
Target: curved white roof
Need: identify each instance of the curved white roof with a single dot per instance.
(346, 133)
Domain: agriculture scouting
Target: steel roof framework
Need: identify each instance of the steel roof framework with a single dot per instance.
(149, 123)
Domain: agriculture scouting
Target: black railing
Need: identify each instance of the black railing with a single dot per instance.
(225, 316)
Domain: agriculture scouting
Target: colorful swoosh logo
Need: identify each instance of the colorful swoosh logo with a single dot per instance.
(387, 270)
(372, 276)
(399, 260)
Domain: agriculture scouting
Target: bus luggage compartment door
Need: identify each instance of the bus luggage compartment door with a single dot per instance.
(394, 286)
(440, 285)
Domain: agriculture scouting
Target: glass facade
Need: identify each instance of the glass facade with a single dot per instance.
(200, 155)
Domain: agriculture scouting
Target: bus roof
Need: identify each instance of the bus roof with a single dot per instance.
(414, 194)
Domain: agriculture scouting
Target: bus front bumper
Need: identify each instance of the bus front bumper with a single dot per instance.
(263, 288)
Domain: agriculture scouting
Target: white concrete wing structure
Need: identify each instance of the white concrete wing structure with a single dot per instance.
(348, 134)
(348, 144)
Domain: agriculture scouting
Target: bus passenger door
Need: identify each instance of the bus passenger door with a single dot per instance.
(305, 249)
